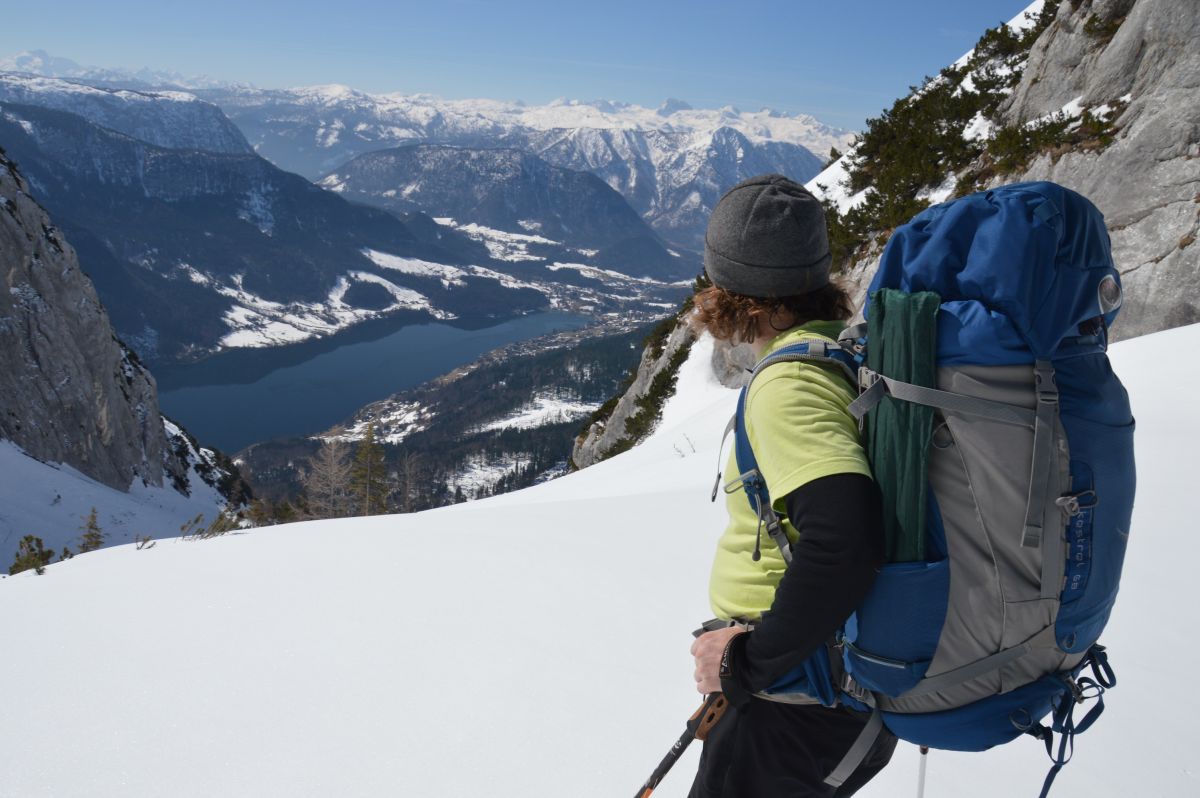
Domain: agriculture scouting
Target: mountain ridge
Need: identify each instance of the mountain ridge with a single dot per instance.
(670, 166)
(513, 191)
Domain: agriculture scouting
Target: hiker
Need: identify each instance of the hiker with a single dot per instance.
(767, 255)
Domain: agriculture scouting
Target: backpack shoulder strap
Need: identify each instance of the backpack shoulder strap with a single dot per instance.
(820, 352)
(749, 477)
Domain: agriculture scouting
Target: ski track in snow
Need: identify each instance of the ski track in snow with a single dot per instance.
(442, 653)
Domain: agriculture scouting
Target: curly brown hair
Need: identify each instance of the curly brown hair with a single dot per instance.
(730, 316)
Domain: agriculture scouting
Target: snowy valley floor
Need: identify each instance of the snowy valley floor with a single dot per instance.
(535, 644)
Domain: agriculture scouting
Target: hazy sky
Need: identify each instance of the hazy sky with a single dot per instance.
(840, 61)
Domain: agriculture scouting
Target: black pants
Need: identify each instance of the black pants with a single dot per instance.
(773, 750)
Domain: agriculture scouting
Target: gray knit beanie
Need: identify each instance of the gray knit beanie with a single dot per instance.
(767, 238)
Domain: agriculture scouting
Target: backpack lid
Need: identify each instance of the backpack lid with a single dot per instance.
(1020, 266)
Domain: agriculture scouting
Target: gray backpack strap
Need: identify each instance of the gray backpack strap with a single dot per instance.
(944, 681)
(858, 751)
(1043, 451)
(876, 386)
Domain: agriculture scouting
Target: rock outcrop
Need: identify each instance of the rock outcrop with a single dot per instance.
(1144, 55)
(637, 410)
(72, 393)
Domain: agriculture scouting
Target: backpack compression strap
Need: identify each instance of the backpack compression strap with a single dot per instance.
(749, 477)
(1041, 420)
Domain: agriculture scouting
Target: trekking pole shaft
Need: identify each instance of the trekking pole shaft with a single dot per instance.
(698, 727)
(667, 763)
(921, 772)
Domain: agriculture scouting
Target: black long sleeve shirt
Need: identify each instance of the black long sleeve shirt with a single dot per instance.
(834, 563)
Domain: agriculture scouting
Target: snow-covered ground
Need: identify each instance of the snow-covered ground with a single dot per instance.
(393, 421)
(481, 473)
(501, 244)
(257, 322)
(449, 275)
(542, 410)
(535, 644)
(51, 501)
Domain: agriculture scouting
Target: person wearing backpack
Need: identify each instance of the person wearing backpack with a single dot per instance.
(767, 256)
(1001, 442)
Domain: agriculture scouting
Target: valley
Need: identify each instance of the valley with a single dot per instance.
(504, 420)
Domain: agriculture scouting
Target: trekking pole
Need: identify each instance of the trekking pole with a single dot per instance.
(921, 772)
(698, 727)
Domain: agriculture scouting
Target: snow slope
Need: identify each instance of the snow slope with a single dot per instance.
(51, 501)
(534, 644)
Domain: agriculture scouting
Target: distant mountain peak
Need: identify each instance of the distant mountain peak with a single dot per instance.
(44, 64)
(39, 62)
(671, 105)
(328, 91)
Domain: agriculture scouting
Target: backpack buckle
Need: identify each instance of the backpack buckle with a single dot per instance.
(1076, 690)
(1047, 388)
(867, 378)
(856, 690)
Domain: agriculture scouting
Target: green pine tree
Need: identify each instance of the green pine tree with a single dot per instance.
(92, 537)
(31, 553)
(368, 478)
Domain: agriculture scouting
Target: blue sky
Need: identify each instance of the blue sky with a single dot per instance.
(840, 61)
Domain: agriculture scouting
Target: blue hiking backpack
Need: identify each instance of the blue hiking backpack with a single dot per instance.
(1019, 513)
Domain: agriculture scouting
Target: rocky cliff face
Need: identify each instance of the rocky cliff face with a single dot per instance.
(1135, 65)
(636, 412)
(71, 392)
(1144, 55)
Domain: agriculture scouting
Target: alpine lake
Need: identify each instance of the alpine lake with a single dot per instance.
(243, 396)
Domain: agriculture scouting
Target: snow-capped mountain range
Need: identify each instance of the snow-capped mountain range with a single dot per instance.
(198, 244)
(671, 163)
(40, 62)
(172, 119)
